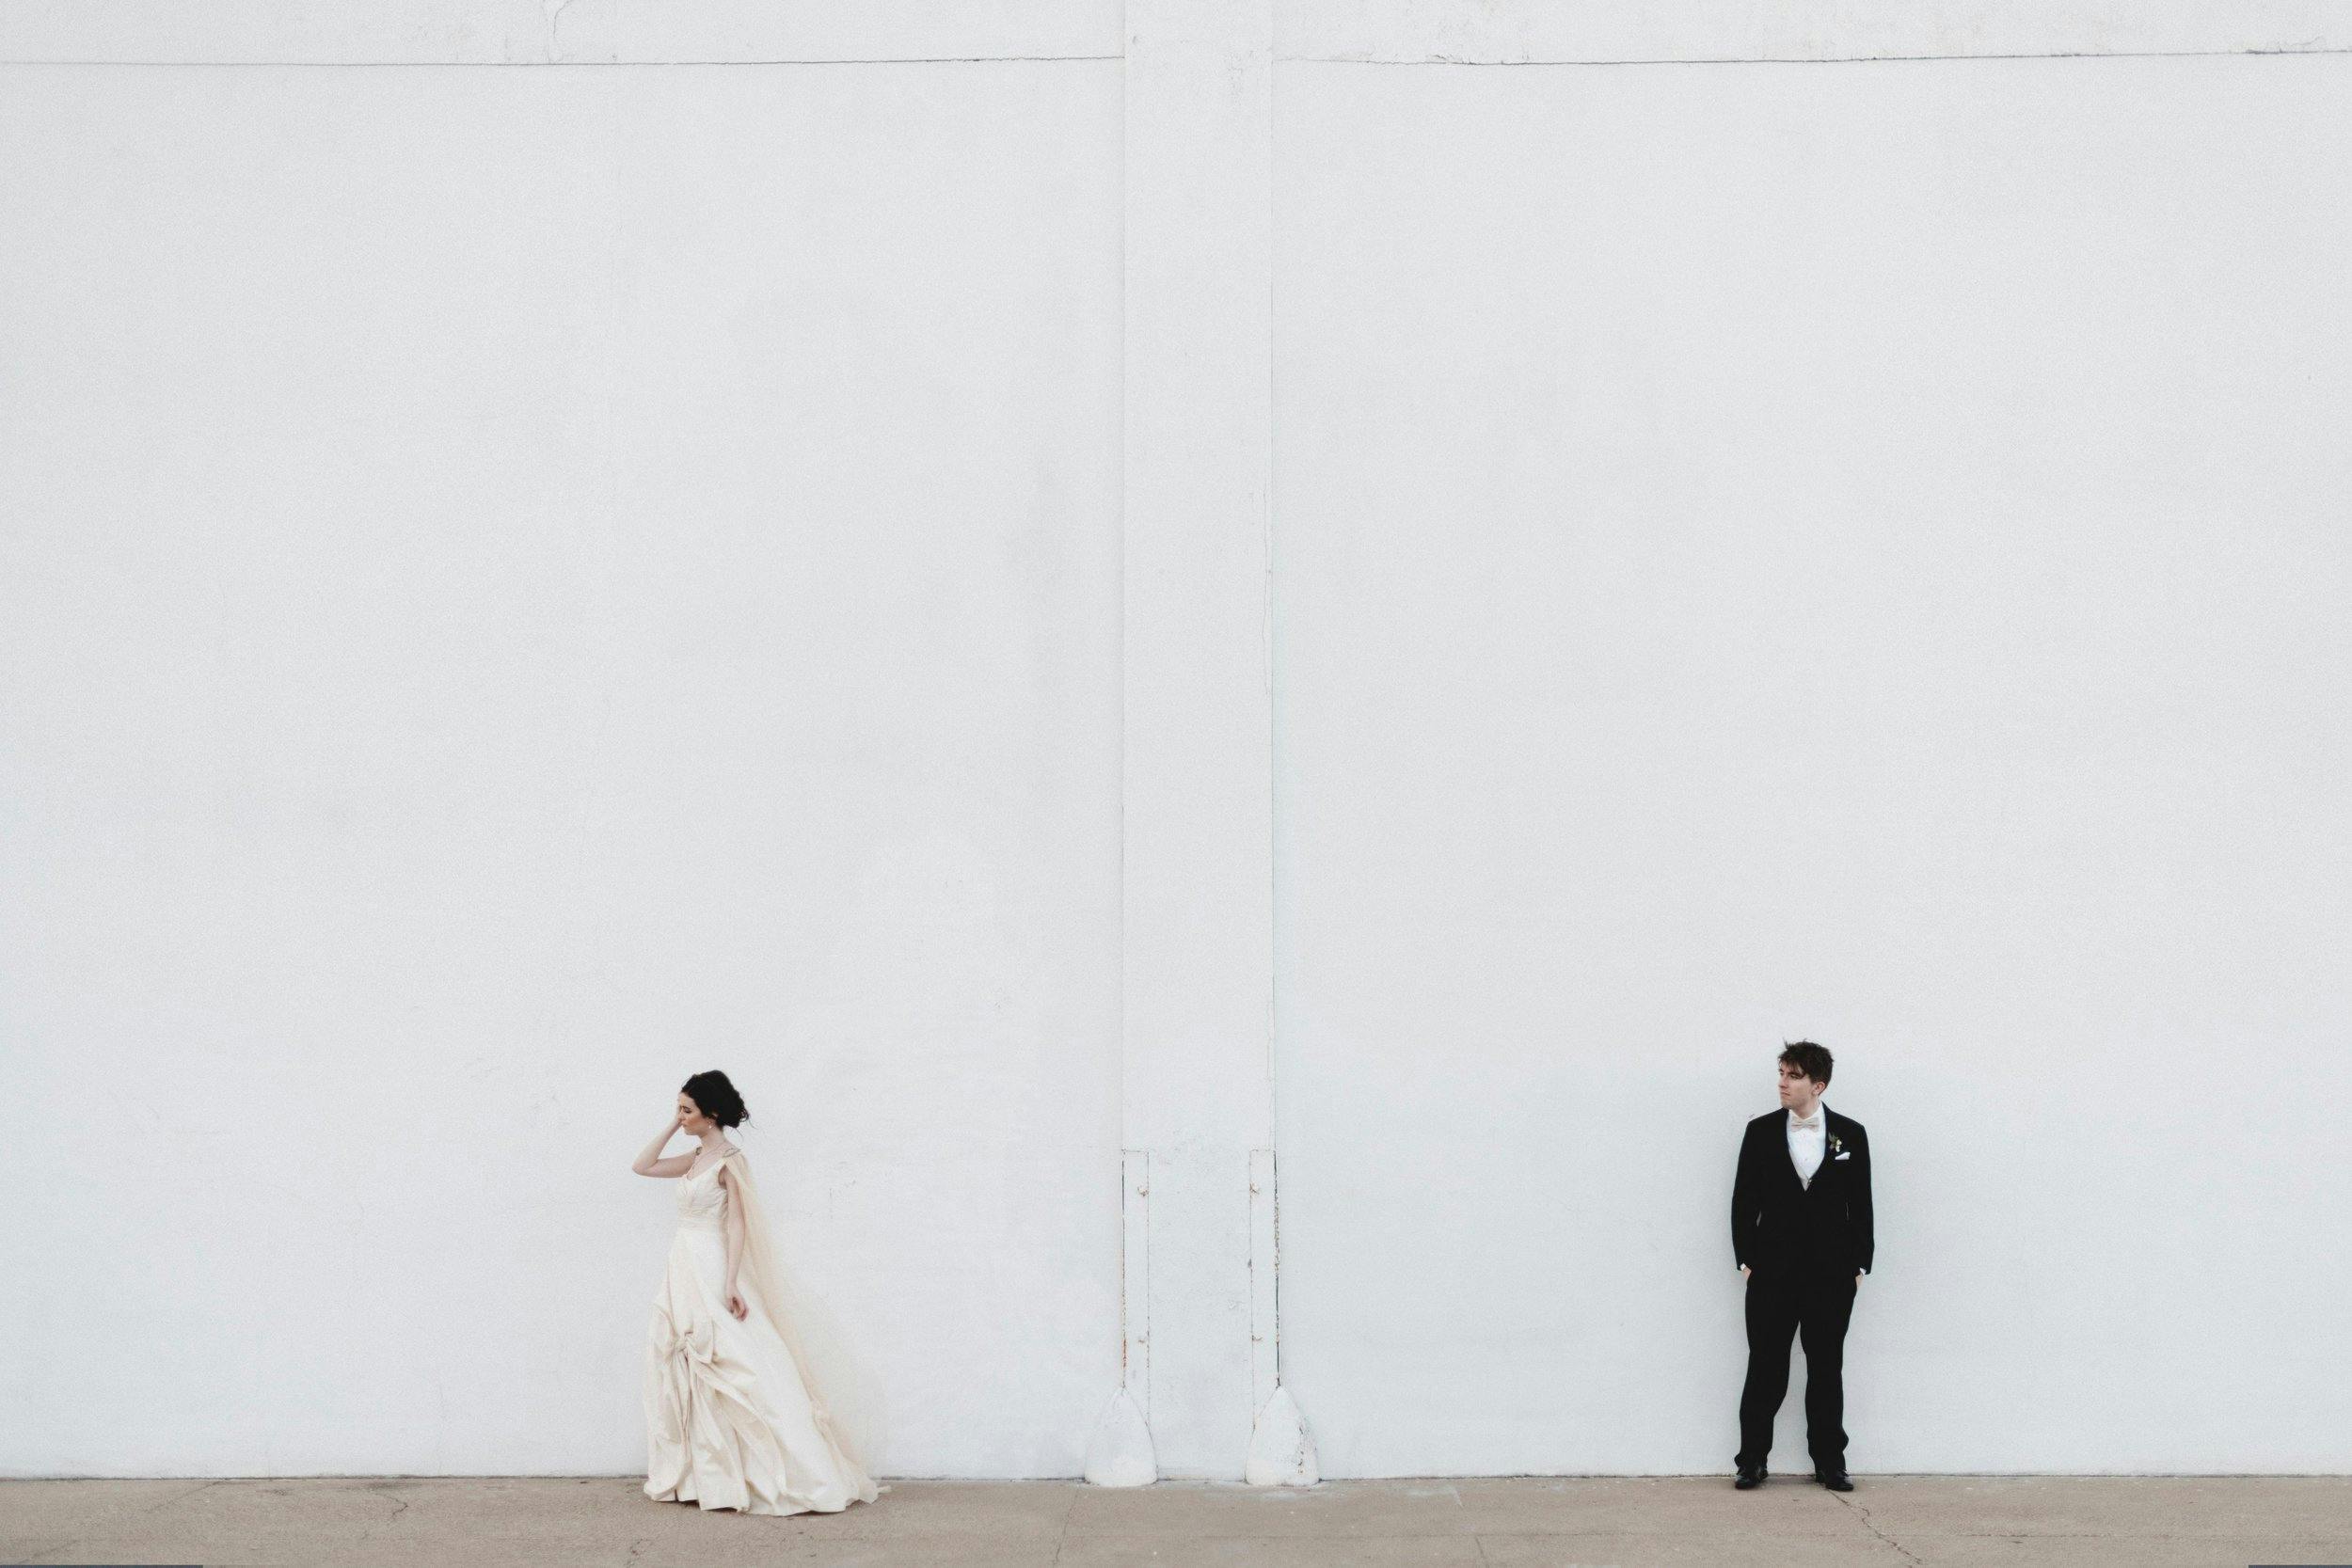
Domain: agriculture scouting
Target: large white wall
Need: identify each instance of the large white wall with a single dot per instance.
(520, 586)
(1846, 550)
(1067, 587)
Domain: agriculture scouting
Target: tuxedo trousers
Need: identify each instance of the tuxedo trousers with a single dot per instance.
(1814, 1306)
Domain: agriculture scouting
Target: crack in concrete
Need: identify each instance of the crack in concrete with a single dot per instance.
(554, 10)
(190, 1493)
(1063, 1539)
(1864, 1515)
(400, 1506)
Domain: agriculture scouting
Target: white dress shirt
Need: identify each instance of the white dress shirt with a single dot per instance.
(1808, 1141)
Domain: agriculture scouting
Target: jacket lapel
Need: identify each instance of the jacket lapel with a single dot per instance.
(1829, 1130)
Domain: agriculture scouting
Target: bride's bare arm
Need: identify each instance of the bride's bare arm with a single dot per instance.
(651, 1163)
(735, 1234)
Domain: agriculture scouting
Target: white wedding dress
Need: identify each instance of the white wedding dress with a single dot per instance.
(731, 1421)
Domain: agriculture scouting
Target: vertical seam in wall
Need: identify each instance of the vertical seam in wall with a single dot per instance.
(1128, 1309)
(1273, 722)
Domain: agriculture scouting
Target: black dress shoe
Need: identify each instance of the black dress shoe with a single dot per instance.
(1748, 1479)
(1835, 1480)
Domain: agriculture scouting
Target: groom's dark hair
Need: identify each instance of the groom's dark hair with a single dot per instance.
(1810, 1059)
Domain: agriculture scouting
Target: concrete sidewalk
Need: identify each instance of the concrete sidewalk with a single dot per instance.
(608, 1522)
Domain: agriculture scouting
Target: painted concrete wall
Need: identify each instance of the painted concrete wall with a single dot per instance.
(1065, 580)
(520, 586)
(1853, 551)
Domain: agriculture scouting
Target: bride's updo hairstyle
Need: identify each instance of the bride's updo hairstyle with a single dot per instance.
(716, 1098)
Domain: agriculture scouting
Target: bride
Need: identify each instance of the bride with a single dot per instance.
(731, 1421)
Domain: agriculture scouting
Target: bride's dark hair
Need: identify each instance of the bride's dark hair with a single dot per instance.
(716, 1098)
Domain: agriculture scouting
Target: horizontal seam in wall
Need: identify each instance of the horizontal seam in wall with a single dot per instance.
(552, 65)
(1833, 59)
(1283, 60)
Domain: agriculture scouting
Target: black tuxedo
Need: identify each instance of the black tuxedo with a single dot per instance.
(1780, 1226)
(1802, 1245)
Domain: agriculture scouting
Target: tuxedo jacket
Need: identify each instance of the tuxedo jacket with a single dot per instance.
(1779, 1226)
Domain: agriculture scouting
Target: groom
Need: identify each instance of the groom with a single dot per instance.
(1801, 1231)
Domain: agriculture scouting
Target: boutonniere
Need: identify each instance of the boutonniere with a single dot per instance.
(1834, 1145)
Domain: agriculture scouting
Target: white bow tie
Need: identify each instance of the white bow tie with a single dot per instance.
(1795, 1122)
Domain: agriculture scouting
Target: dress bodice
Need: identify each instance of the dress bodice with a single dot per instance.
(702, 1200)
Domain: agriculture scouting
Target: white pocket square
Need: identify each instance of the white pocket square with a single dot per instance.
(1845, 1156)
